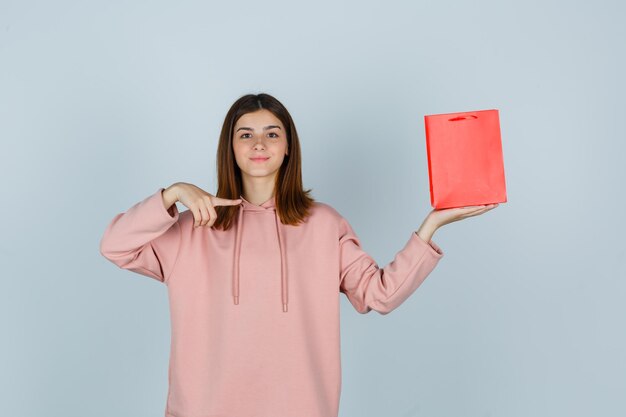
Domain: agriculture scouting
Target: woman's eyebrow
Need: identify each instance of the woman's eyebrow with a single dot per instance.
(265, 128)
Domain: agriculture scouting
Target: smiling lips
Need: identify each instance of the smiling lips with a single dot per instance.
(260, 159)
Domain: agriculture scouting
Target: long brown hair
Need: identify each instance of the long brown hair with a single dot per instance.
(292, 201)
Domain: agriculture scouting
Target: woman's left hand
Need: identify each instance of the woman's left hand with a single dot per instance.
(442, 217)
(439, 217)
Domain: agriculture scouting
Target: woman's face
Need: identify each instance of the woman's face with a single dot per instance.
(259, 134)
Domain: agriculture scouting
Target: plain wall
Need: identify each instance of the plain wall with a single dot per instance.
(103, 102)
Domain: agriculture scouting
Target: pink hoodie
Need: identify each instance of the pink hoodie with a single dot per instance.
(255, 310)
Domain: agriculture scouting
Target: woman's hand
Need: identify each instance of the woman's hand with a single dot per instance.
(439, 217)
(198, 201)
(442, 217)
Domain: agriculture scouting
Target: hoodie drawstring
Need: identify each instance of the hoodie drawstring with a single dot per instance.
(283, 257)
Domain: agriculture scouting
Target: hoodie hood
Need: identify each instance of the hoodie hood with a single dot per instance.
(270, 208)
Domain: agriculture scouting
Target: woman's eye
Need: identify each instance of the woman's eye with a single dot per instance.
(271, 133)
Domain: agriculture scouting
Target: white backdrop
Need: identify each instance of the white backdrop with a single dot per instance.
(102, 102)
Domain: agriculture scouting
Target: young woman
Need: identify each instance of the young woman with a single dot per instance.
(254, 275)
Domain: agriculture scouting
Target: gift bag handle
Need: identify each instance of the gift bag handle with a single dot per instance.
(456, 119)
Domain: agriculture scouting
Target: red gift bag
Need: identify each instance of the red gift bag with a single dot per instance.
(465, 165)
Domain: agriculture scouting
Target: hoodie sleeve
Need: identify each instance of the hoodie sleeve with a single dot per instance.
(145, 239)
(369, 287)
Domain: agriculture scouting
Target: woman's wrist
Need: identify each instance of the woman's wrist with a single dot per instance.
(427, 229)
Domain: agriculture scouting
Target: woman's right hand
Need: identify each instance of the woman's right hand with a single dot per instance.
(199, 202)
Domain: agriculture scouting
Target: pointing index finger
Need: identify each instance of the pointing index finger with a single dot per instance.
(218, 201)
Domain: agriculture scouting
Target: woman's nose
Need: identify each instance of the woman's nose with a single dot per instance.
(259, 142)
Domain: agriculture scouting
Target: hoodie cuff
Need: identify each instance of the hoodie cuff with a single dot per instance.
(431, 246)
(168, 215)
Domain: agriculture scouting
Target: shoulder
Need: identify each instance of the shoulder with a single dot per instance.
(186, 220)
(325, 211)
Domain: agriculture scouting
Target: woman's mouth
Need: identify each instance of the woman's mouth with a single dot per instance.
(259, 159)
